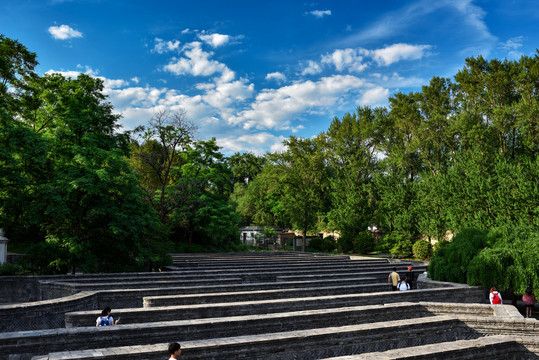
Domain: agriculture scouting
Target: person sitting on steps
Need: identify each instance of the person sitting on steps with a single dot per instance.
(105, 319)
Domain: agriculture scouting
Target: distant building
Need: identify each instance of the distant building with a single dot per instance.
(256, 236)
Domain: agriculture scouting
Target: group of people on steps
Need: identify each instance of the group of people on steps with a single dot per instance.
(407, 282)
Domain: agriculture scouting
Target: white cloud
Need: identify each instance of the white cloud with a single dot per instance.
(197, 62)
(252, 142)
(352, 60)
(74, 74)
(312, 68)
(397, 52)
(512, 47)
(64, 32)
(162, 46)
(277, 76)
(375, 96)
(225, 94)
(319, 13)
(215, 40)
(274, 109)
(135, 80)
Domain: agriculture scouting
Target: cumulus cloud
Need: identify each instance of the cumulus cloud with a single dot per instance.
(226, 93)
(64, 32)
(312, 68)
(274, 109)
(162, 46)
(397, 52)
(215, 40)
(319, 13)
(374, 96)
(252, 142)
(277, 76)
(197, 62)
(358, 59)
(352, 60)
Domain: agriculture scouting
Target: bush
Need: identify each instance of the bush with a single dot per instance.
(10, 269)
(322, 245)
(509, 260)
(345, 244)
(364, 243)
(451, 260)
(422, 249)
(45, 258)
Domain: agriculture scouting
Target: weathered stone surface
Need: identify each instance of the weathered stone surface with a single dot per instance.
(265, 306)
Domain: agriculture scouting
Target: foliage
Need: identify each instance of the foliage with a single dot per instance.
(304, 183)
(364, 243)
(167, 137)
(509, 260)
(326, 244)
(345, 244)
(422, 249)
(451, 260)
(350, 146)
(63, 160)
(245, 167)
(10, 269)
(199, 197)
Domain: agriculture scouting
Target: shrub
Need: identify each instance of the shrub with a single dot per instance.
(509, 260)
(364, 243)
(10, 269)
(422, 249)
(322, 245)
(451, 260)
(345, 244)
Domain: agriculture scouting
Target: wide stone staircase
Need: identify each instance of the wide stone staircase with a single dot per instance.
(281, 305)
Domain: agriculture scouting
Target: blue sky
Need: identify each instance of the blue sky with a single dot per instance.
(252, 73)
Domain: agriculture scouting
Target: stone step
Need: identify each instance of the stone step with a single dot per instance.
(196, 329)
(245, 271)
(53, 289)
(243, 274)
(25, 343)
(497, 347)
(203, 264)
(125, 298)
(184, 312)
(301, 344)
(224, 297)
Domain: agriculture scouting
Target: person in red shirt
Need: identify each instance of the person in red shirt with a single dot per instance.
(529, 300)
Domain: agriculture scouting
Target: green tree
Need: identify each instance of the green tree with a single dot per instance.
(351, 150)
(304, 182)
(245, 166)
(23, 160)
(97, 215)
(165, 139)
(17, 65)
(261, 201)
(200, 197)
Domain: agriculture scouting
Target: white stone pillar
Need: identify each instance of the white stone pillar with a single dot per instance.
(3, 247)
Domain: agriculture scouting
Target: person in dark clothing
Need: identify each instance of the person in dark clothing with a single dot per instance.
(410, 277)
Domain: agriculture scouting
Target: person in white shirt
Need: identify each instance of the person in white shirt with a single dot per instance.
(403, 285)
(495, 297)
(105, 319)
